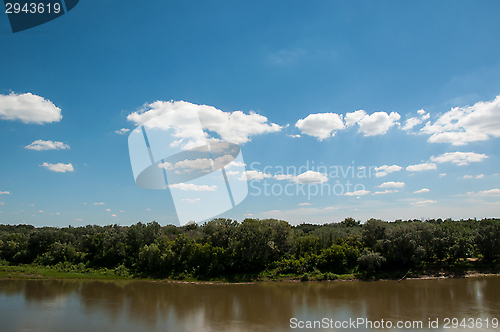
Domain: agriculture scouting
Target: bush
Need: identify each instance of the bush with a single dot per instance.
(370, 261)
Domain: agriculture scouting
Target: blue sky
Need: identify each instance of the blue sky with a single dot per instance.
(406, 89)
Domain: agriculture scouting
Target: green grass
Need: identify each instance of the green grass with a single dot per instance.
(80, 271)
(55, 272)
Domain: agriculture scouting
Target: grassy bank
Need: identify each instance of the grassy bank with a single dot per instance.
(67, 271)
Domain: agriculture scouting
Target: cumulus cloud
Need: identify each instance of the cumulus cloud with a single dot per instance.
(59, 167)
(386, 169)
(311, 177)
(5, 193)
(378, 123)
(392, 184)
(467, 176)
(280, 177)
(122, 131)
(354, 117)
(462, 125)
(108, 210)
(410, 123)
(442, 174)
(459, 158)
(423, 190)
(28, 108)
(321, 125)
(236, 127)
(480, 176)
(40, 145)
(100, 203)
(302, 204)
(192, 187)
(357, 193)
(387, 191)
(424, 202)
(421, 167)
(490, 192)
(254, 175)
(421, 112)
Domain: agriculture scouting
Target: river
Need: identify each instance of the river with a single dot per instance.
(98, 305)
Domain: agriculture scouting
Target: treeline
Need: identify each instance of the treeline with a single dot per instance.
(222, 246)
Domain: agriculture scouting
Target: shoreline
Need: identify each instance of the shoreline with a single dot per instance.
(18, 275)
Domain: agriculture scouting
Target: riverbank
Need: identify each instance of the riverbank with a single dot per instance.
(461, 270)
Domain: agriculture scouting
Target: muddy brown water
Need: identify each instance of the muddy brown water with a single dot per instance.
(96, 305)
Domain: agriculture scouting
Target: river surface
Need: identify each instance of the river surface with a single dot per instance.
(91, 305)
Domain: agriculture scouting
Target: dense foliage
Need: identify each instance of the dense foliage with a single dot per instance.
(222, 246)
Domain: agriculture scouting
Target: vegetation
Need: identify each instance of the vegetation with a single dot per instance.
(268, 249)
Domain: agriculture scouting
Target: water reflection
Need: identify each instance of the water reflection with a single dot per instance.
(76, 305)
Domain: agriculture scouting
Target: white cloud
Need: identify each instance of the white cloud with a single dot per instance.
(423, 190)
(442, 174)
(108, 210)
(40, 145)
(5, 193)
(425, 117)
(280, 177)
(236, 127)
(459, 158)
(421, 167)
(122, 131)
(480, 176)
(192, 187)
(2, 203)
(378, 123)
(113, 215)
(354, 117)
(490, 192)
(462, 125)
(311, 177)
(357, 193)
(410, 123)
(190, 200)
(301, 204)
(274, 211)
(386, 169)
(321, 125)
(28, 108)
(236, 164)
(424, 202)
(421, 112)
(294, 136)
(101, 203)
(467, 177)
(392, 184)
(253, 175)
(385, 192)
(59, 167)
